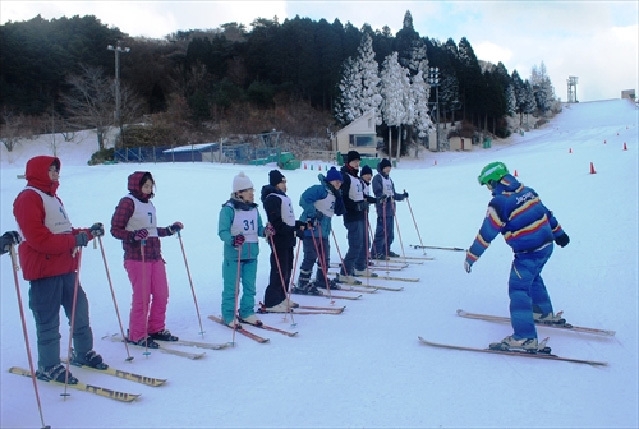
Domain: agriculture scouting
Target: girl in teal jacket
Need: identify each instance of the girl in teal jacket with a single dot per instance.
(240, 225)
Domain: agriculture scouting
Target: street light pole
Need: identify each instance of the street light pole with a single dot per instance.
(117, 49)
(433, 80)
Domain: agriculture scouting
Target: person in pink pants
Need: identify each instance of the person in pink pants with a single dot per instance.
(135, 223)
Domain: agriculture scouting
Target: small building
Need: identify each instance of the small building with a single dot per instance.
(460, 143)
(359, 135)
(628, 94)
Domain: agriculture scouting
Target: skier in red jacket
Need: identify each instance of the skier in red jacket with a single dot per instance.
(48, 258)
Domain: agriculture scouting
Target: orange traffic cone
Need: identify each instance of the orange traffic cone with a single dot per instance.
(570, 150)
(515, 174)
(592, 168)
(319, 167)
(624, 146)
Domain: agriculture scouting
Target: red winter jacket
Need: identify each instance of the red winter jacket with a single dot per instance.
(42, 253)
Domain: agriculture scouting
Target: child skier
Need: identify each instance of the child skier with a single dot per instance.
(280, 214)
(529, 228)
(240, 225)
(384, 189)
(356, 206)
(135, 223)
(319, 203)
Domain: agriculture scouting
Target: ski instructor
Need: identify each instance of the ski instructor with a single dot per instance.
(529, 228)
(49, 261)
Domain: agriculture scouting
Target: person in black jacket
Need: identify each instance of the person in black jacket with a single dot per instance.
(279, 213)
(356, 203)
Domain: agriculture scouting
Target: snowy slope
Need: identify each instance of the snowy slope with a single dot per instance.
(365, 367)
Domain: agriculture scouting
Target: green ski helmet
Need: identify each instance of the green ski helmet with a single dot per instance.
(492, 172)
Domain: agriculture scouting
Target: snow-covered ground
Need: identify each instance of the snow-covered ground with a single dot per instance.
(365, 368)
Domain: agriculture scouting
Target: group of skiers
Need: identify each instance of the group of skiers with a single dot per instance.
(346, 193)
(50, 250)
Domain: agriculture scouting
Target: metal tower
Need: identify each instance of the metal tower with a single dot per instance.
(572, 88)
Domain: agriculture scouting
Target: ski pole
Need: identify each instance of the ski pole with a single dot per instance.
(386, 246)
(115, 303)
(454, 249)
(414, 223)
(291, 282)
(14, 263)
(145, 303)
(319, 260)
(324, 259)
(76, 286)
(339, 253)
(279, 270)
(399, 233)
(188, 273)
(366, 244)
(237, 291)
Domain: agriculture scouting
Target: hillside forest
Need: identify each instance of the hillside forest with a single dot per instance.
(303, 77)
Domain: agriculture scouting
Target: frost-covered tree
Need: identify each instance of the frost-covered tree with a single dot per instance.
(421, 92)
(346, 109)
(370, 98)
(394, 85)
(359, 85)
(542, 86)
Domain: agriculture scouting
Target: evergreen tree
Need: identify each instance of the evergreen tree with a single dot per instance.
(394, 107)
(370, 98)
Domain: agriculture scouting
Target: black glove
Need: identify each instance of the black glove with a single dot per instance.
(562, 240)
(371, 200)
(299, 225)
(382, 198)
(81, 239)
(9, 238)
(405, 194)
(97, 229)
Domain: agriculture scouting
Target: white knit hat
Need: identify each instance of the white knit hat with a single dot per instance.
(241, 181)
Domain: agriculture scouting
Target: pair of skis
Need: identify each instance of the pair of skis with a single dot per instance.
(542, 353)
(253, 336)
(176, 352)
(305, 309)
(390, 278)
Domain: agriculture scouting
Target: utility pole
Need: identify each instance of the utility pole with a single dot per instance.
(117, 49)
(433, 80)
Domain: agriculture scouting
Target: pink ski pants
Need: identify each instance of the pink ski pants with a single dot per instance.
(148, 280)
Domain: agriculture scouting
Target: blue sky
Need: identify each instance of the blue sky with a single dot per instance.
(597, 41)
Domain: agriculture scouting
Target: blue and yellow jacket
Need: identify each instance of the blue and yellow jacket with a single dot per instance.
(516, 212)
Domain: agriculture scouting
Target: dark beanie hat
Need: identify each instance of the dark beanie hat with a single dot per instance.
(352, 156)
(333, 174)
(366, 170)
(275, 177)
(384, 163)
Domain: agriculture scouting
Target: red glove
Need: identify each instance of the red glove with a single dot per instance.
(238, 240)
(140, 234)
(176, 227)
(269, 231)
